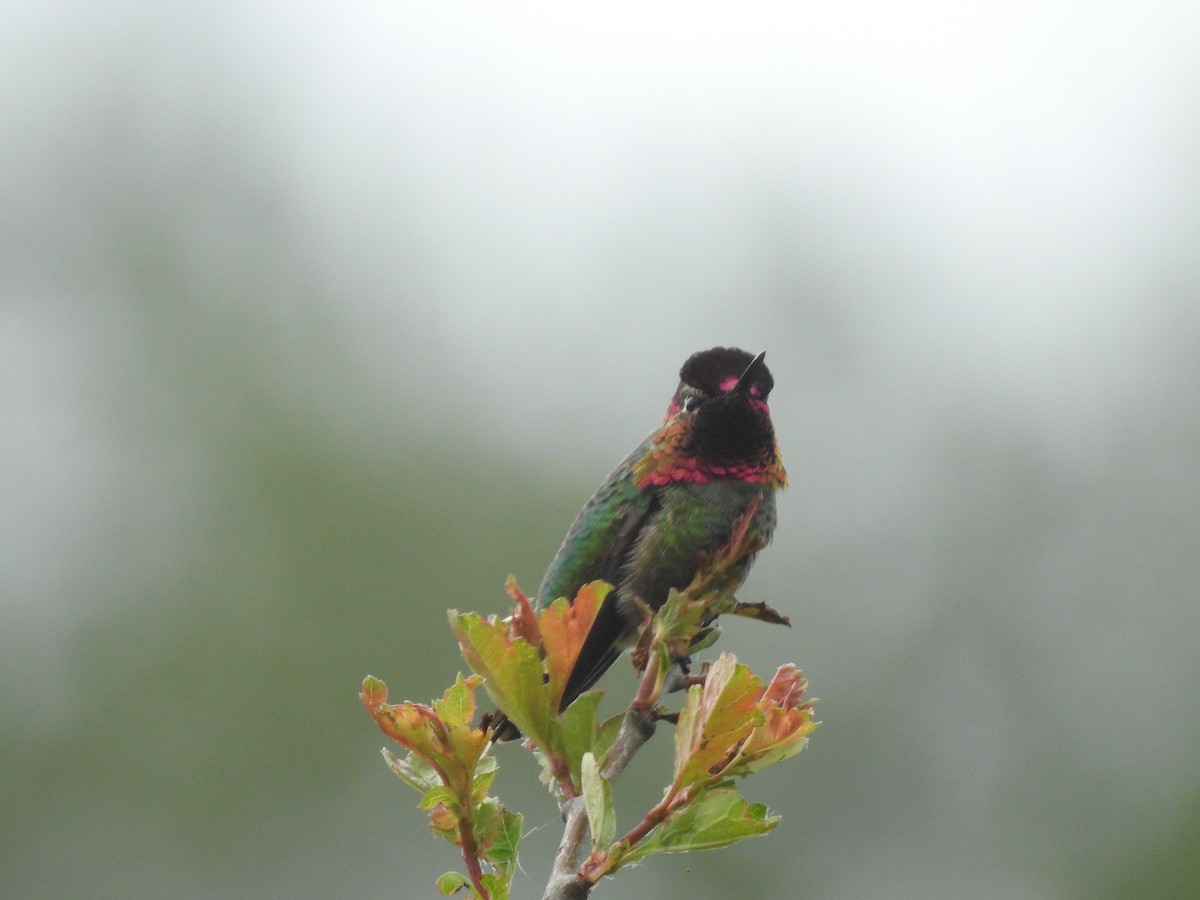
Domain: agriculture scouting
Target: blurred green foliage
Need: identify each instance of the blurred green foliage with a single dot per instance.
(202, 736)
(302, 344)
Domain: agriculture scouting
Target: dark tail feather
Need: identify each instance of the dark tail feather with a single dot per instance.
(502, 729)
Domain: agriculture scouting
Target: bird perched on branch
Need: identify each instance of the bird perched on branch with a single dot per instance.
(672, 501)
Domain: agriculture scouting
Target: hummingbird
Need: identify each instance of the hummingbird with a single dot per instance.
(676, 497)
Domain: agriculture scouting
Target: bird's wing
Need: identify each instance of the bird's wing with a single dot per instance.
(599, 541)
(597, 547)
(607, 638)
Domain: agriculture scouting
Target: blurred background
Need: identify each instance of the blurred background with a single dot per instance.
(317, 320)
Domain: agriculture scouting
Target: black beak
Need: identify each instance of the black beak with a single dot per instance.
(747, 379)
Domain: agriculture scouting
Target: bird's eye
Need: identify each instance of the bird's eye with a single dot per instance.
(691, 403)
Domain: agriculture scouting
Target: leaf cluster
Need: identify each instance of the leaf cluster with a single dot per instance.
(730, 725)
(447, 763)
(525, 662)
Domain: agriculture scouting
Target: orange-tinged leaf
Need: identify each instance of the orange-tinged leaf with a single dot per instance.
(408, 724)
(463, 744)
(524, 621)
(445, 823)
(457, 706)
(564, 627)
(787, 722)
(714, 721)
(787, 687)
(512, 672)
(441, 735)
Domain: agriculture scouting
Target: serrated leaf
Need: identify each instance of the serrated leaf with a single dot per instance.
(756, 755)
(457, 706)
(413, 770)
(597, 800)
(487, 822)
(678, 621)
(441, 796)
(564, 627)
(787, 723)
(451, 883)
(716, 818)
(523, 623)
(440, 733)
(444, 823)
(408, 724)
(482, 783)
(546, 770)
(497, 886)
(503, 851)
(714, 720)
(512, 672)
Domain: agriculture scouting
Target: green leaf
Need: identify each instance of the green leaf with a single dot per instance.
(606, 733)
(512, 669)
(483, 782)
(761, 759)
(704, 639)
(457, 706)
(597, 800)
(714, 720)
(678, 620)
(497, 886)
(718, 817)
(487, 822)
(452, 882)
(413, 770)
(503, 851)
(441, 796)
(546, 770)
(578, 722)
(373, 694)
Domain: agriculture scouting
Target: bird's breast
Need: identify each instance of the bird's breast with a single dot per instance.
(689, 519)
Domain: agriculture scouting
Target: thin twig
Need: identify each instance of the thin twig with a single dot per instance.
(565, 882)
(470, 854)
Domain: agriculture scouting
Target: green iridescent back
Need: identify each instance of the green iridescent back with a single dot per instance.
(599, 539)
